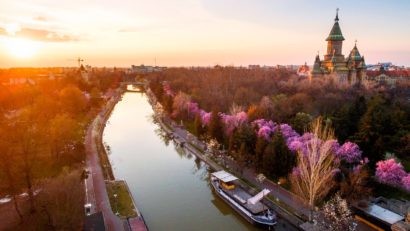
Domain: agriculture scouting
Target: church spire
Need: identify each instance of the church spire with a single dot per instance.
(337, 15)
(336, 33)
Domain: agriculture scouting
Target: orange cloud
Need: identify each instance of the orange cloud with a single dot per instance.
(3, 31)
(40, 18)
(40, 35)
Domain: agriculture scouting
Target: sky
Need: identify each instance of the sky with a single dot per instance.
(197, 32)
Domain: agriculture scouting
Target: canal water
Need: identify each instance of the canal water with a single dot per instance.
(170, 186)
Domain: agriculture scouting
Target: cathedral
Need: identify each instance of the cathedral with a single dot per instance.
(351, 69)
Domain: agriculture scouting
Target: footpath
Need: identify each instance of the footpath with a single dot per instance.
(95, 184)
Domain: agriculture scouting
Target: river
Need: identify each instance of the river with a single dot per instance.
(169, 185)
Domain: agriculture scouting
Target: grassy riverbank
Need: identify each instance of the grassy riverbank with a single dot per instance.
(120, 199)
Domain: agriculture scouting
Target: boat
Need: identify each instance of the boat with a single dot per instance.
(248, 206)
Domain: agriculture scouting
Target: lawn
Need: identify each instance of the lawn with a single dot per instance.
(122, 203)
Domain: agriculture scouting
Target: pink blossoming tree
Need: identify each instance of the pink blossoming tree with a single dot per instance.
(390, 172)
(350, 152)
(406, 182)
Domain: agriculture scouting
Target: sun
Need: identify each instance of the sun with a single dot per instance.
(21, 48)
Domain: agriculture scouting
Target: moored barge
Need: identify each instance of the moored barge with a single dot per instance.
(248, 206)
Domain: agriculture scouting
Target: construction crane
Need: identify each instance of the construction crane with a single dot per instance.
(78, 60)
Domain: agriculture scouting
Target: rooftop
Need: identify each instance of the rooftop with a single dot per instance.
(381, 213)
(224, 176)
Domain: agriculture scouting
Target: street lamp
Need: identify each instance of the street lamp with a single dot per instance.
(116, 207)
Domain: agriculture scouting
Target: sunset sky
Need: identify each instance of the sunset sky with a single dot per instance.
(197, 32)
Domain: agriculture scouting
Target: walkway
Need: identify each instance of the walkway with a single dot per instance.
(97, 192)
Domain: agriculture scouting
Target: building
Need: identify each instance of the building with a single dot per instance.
(303, 71)
(350, 69)
(383, 214)
(142, 69)
(389, 77)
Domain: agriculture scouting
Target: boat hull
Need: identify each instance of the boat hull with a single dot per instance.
(228, 200)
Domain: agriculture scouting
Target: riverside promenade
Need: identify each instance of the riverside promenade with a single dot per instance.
(95, 184)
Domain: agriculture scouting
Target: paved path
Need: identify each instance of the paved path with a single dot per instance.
(137, 224)
(97, 192)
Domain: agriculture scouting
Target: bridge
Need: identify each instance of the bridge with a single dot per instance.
(139, 83)
(134, 86)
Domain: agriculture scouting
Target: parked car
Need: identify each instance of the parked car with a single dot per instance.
(87, 208)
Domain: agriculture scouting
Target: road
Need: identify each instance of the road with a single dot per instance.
(96, 190)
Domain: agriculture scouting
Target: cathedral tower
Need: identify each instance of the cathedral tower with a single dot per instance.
(351, 69)
(334, 44)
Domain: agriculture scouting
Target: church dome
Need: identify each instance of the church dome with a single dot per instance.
(354, 54)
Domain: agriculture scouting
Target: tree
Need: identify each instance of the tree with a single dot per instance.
(61, 202)
(95, 97)
(335, 215)
(27, 135)
(355, 186)
(346, 119)
(72, 100)
(167, 102)
(313, 176)
(7, 166)
(198, 127)
(301, 122)
(216, 127)
(44, 108)
(286, 159)
(377, 129)
(390, 172)
(406, 182)
(63, 133)
(277, 158)
(244, 134)
(241, 158)
(349, 152)
(260, 146)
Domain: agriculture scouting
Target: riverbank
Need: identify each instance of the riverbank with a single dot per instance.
(288, 206)
(101, 171)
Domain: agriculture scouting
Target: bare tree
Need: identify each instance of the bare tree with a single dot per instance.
(7, 165)
(62, 209)
(313, 177)
(27, 136)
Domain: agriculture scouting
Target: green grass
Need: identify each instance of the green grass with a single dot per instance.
(123, 202)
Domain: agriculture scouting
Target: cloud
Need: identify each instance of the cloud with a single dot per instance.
(40, 18)
(140, 28)
(129, 30)
(40, 35)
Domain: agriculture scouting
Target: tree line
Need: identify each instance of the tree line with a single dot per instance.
(42, 129)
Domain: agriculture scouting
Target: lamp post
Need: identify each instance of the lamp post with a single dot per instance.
(116, 207)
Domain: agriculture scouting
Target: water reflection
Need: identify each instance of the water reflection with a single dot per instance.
(165, 137)
(135, 88)
(169, 184)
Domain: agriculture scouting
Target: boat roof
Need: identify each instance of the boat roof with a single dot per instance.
(241, 193)
(224, 176)
(382, 213)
